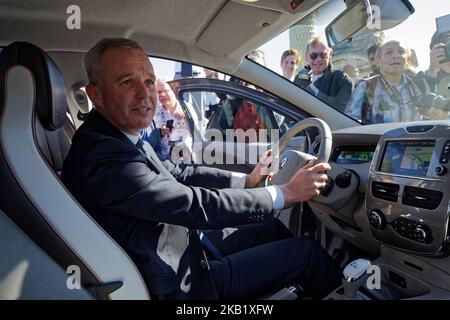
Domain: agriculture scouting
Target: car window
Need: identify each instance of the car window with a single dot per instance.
(236, 116)
(220, 112)
(407, 79)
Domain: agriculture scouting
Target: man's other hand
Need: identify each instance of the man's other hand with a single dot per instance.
(261, 170)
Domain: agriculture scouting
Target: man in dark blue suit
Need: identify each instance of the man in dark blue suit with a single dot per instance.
(154, 209)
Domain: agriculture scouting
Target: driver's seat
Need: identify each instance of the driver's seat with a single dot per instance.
(33, 109)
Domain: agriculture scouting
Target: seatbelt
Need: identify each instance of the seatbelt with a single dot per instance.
(203, 238)
(210, 246)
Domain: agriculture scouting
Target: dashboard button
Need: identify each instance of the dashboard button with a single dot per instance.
(420, 234)
(344, 179)
(376, 219)
(440, 170)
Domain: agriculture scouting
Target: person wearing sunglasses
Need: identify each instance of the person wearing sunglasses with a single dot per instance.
(332, 86)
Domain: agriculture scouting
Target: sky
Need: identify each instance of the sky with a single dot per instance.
(416, 31)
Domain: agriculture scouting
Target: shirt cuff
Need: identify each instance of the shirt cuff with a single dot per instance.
(237, 180)
(277, 197)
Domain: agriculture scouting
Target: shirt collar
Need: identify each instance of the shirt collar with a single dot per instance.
(314, 77)
(178, 109)
(133, 138)
(403, 82)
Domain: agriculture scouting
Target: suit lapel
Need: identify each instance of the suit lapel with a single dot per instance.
(103, 126)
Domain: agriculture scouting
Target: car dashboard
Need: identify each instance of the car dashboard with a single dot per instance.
(389, 186)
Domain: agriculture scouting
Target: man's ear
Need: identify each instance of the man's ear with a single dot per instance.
(94, 94)
(377, 62)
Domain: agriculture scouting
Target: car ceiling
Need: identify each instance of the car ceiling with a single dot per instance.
(208, 32)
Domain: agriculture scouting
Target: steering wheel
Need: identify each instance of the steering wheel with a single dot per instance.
(286, 165)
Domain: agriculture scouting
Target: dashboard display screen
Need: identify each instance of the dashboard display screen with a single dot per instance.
(410, 158)
(347, 155)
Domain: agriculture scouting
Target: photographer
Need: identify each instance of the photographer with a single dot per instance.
(439, 69)
(435, 103)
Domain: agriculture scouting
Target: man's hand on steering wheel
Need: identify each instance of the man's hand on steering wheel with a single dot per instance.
(305, 184)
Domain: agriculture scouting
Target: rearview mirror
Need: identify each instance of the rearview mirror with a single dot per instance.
(362, 16)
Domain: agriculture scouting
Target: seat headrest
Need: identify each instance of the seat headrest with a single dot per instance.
(51, 104)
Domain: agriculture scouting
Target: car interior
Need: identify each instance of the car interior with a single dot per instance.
(384, 215)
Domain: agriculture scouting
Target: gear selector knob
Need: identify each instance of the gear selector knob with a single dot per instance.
(354, 275)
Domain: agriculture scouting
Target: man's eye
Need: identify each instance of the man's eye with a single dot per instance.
(150, 83)
(126, 82)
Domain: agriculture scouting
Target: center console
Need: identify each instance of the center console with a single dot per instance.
(407, 199)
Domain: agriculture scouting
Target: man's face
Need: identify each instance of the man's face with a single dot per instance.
(126, 94)
(213, 74)
(393, 59)
(289, 66)
(166, 96)
(318, 57)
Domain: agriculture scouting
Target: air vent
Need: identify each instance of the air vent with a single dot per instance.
(385, 191)
(421, 198)
(419, 129)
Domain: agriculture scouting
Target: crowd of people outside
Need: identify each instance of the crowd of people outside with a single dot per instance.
(392, 91)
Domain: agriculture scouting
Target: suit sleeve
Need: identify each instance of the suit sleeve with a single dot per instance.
(120, 182)
(199, 176)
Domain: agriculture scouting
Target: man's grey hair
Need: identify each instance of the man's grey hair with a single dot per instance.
(379, 51)
(315, 41)
(92, 57)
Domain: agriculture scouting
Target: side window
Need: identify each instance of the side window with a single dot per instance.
(234, 116)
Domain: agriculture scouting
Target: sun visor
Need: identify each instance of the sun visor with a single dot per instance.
(234, 26)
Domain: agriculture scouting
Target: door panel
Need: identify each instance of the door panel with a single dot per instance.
(236, 123)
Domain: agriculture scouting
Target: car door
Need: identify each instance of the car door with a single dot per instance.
(234, 123)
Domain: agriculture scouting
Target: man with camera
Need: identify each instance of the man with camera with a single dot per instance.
(435, 103)
(439, 69)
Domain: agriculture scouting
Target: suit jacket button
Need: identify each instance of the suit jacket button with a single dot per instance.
(203, 264)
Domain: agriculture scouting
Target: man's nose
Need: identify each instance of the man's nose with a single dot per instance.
(142, 91)
(396, 55)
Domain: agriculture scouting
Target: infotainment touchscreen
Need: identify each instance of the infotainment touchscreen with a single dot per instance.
(407, 157)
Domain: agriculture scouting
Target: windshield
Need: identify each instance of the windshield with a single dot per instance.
(395, 75)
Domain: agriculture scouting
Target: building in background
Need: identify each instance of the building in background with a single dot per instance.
(356, 51)
(300, 34)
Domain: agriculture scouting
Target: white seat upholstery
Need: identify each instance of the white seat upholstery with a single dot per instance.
(33, 110)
